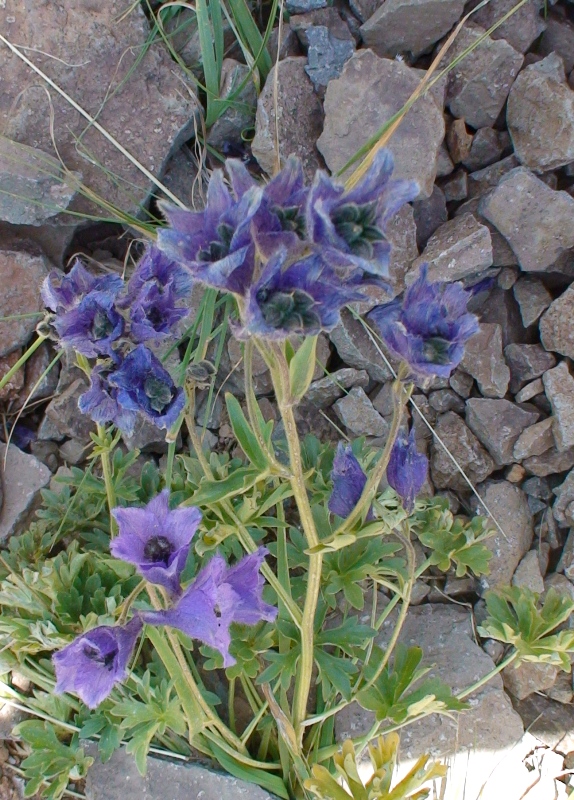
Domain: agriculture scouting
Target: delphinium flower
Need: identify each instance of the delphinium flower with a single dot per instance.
(348, 482)
(407, 469)
(156, 539)
(429, 327)
(100, 402)
(144, 385)
(95, 661)
(92, 326)
(218, 596)
(61, 293)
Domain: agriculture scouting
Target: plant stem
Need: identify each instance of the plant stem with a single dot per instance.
(22, 360)
(485, 678)
(108, 480)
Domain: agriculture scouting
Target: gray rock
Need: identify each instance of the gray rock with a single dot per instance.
(540, 116)
(356, 412)
(486, 149)
(550, 722)
(535, 440)
(464, 447)
(64, 414)
(429, 214)
(21, 276)
(528, 573)
(118, 779)
(324, 392)
(356, 348)
(117, 75)
(559, 387)
(521, 29)
(534, 219)
(481, 181)
(323, 17)
(537, 487)
(409, 26)
(550, 462)
(300, 118)
(445, 634)
(532, 297)
(23, 476)
(558, 38)
(483, 359)
(327, 55)
(446, 400)
(401, 232)
(35, 386)
(564, 496)
(444, 165)
(74, 452)
(526, 362)
(529, 391)
(462, 383)
(240, 115)
(369, 91)
(479, 84)
(503, 309)
(498, 424)
(460, 247)
(527, 678)
(509, 506)
(459, 140)
(566, 563)
(304, 6)
(557, 325)
(455, 187)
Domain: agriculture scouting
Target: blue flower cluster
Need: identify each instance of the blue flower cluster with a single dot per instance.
(114, 322)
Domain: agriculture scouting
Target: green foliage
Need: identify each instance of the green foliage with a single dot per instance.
(515, 617)
(301, 368)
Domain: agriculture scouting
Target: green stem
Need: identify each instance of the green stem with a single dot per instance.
(485, 678)
(108, 480)
(22, 360)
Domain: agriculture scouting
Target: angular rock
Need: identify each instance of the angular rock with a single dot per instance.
(509, 506)
(498, 424)
(429, 214)
(557, 325)
(322, 17)
(532, 297)
(455, 187)
(564, 496)
(462, 383)
(356, 348)
(369, 91)
(12, 389)
(304, 6)
(23, 477)
(527, 678)
(540, 116)
(502, 308)
(559, 387)
(535, 220)
(550, 462)
(528, 573)
(465, 448)
(485, 150)
(327, 55)
(521, 29)
(409, 26)
(483, 359)
(479, 84)
(64, 414)
(535, 440)
(119, 74)
(240, 115)
(460, 247)
(549, 721)
(459, 141)
(526, 362)
(529, 391)
(444, 164)
(446, 400)
(300, 118)
(35, 386)
(356, 412)
(324, 392)
(401, 231)
(482, 180)
(147, 437)
(558, 38)
(21, 276)
(566, 563)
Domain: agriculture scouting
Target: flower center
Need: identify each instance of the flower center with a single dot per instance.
(158, 550)
(219, 248)
(291, 219)
(437, 350)
(95, 654)
(357, 226)
(155, 317)
(102, 326)
(158, 393)
(290, 311)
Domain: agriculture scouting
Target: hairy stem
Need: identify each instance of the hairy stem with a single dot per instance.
(108, 480)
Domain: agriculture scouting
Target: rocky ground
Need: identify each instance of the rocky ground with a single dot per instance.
(492, 147)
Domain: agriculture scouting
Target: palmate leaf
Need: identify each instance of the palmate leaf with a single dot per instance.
(515, 617)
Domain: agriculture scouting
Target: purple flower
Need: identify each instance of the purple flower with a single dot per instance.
(156, 539)
(92, 326)
(155, 268)
(353, 223)
(215, 244)
(100, 402)
(429, 328)
(348, 482)
(301, 298)
(144, 385)
(94, 662)
(218, 596)
(153, 313)
(407, 469)
(63, 292)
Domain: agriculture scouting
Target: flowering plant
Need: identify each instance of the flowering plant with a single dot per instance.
(224, 584)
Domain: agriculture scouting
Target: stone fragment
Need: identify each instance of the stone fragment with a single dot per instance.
(327, 55)
(47, 453)
(509, 506)
(566, 563)
(526, 362)
(479, 84)
(564, 496)
(507, 277)
(356, 412)
(64, 414)
(22, 478)
(409, 26)
(558, 38)
(183, 178)
(460, 247)
(515, 473)
(304, 6)
(429, 214)
(464, 447)
(561, 691)
(461, 382)
(559, 387)
(535, 220)
(540, 116)
(528, 573)
(74, 452)
(147, 437)
(535, 440)
(550, 462)
(498, 424)
(486, 149)
(401, 232)
(300, 118)
(35, 386)
(446, 400)
(521, 29)
(459, 141)
(455, 187)
(321, 17)
(537, 487)
(324, 392)
(527, 678)
(532, 297)
(21, 276)
(444, 165)
(240, 114)
(482, 180)
(502, 308)
(120, 73)
(369, 91)
(11, 390)
(356, 348)
(549, 721)
(529, 391)
(119, 779)
(483, 359)
(445, 634)
(557, 325)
